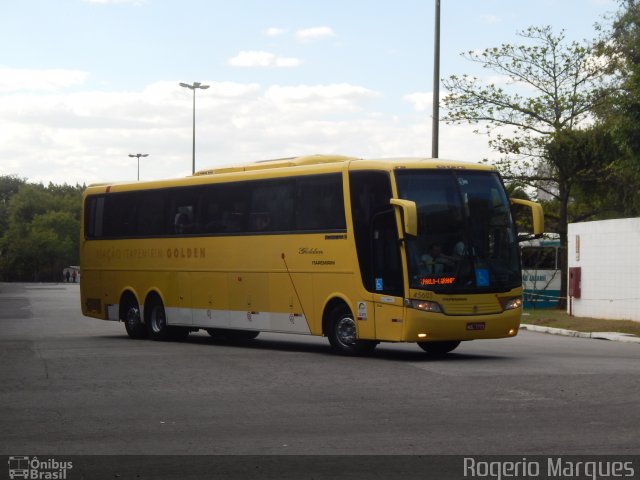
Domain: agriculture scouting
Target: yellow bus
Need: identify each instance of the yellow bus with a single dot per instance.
(359, 251)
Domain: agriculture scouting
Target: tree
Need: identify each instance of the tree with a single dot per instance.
(9, 186)
(621, 113)
(551, 89)
(42, 232)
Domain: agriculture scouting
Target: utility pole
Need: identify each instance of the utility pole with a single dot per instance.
(194, 87)
(435, 124)
(138, 155)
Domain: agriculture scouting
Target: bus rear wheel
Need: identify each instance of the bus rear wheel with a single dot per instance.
(157, 324)
(343, 334)
(157, 321)
(134, 325)
(439, 348)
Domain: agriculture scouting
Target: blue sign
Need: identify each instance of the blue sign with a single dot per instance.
(482, 277)
(379, 286)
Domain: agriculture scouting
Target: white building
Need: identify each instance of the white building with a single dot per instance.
(608, 255)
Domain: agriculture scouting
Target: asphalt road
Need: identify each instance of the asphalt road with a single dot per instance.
(74, 385)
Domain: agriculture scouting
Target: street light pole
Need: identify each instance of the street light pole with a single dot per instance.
(435, 123)
(193, 87)
(138, 155)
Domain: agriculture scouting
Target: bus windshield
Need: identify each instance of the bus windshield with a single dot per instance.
(466, 238)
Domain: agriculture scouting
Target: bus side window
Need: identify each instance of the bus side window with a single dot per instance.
(182, 211)
(93, 217)
(234, 199)
(320, 203)
(211, 219)
(120, 215)
(272, 206)
(150, 214)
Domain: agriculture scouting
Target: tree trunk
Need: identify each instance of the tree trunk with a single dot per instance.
(563, 221)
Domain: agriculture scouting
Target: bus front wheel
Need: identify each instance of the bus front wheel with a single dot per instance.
(134, 325)
(438, 348)
(343, 334)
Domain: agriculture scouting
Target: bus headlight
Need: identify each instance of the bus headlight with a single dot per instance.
(424, 305)
(511, 303)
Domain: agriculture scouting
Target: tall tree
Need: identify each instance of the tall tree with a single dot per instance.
(549, 90)
(42, 232)
(621, 114)
(9, 186)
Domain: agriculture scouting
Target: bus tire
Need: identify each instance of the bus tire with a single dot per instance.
(157, 320)
(134, 325)
(342, 334)
(439, 348)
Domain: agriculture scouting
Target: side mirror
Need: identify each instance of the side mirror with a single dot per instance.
(409, 215)
(537, 214)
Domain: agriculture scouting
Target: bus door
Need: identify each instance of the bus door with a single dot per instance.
(387, 276)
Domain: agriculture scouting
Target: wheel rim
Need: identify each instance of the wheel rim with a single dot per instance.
(158, 319)
(346, 331)
(133, 317)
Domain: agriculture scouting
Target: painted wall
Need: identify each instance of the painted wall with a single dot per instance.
(608, 252)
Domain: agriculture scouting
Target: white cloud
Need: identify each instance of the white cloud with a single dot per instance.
(490, 18)
(314, 33)
(262, 59)
(15, 79)
(339, 94)
(421, 101)
(274, 31)
(85, 137)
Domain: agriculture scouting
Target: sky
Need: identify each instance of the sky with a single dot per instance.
(85, 83)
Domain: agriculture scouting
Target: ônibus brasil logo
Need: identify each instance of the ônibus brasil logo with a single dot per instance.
(35, 469)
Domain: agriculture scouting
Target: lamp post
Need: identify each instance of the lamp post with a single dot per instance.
(138, 155)
(435, 124)
(194, 87)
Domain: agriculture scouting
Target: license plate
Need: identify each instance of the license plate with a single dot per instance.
(475, 326)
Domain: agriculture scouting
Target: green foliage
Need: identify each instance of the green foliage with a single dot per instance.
(550, 86)
(605, 182)
(541, 116)
(9, 185)
(40, 229)
(621, 113)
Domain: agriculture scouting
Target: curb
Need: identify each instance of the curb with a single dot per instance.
(613, 336)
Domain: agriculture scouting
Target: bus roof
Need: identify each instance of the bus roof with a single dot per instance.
(406, 162)
(304, 165)
(277, 163)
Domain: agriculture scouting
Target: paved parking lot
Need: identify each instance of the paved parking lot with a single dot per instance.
(75, 385)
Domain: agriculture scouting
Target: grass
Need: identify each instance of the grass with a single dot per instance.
(561, 319)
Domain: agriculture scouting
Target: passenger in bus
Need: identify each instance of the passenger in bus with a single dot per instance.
(182, 223)
(435, 261)
(459, 249)
(260, 222)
